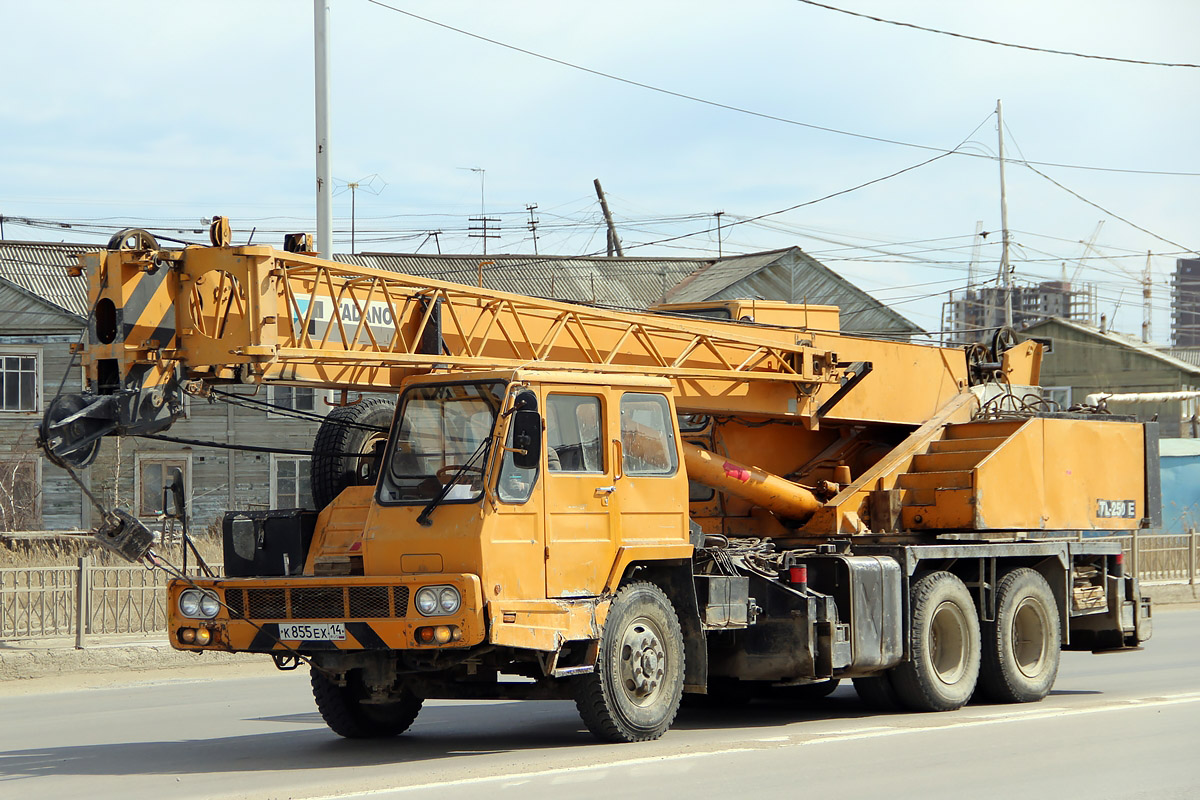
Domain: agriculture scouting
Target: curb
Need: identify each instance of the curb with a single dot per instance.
(1169, 593)
(27, 662)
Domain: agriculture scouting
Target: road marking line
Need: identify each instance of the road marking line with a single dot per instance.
(518, 778)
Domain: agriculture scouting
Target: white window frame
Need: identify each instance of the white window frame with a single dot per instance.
(35, 351)
(1046, 390)
(39, 492)
(276, 459)
(159, 457)
(319, 405)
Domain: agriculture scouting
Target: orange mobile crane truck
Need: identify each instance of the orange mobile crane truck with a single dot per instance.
(618, 507)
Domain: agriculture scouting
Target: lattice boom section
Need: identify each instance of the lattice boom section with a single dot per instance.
(362, 315)
(318, 602)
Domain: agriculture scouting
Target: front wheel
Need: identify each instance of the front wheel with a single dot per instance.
(634, 692)
(943, 666)
(346, 712)
(1021, 648)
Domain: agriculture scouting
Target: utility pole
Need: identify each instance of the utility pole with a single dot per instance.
(1005, 278)
(324, 182)
(533, 223)
(613, 242)
(353, 187)
(1147, 290)
(718, 214)
(483, 228)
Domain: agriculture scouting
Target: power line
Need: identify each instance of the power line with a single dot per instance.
(997, 42)
(1112, 214)
(759, 114)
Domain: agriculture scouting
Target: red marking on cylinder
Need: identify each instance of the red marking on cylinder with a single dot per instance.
(734, 471)
(798, 576)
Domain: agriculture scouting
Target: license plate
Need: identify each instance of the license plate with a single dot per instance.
(329, 631)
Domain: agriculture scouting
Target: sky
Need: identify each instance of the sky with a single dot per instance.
(159, 115)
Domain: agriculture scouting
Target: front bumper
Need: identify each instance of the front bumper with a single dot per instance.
(378, 613)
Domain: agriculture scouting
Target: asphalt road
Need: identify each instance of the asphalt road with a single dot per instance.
(1116, 726)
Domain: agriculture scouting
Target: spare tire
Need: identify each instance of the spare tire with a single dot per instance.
(349, 447)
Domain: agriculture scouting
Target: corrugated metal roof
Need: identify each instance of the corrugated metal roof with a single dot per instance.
(642, 282)
(40, 268)
(623, 282)
(1189, 354)
(800, 279)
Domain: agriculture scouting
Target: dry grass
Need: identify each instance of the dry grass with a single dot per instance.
(65, 550)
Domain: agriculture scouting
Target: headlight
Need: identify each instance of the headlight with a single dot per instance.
(449, 600)
(198, 604)
(189, 603)
(434, 601)
(209, 605)
(427, 600)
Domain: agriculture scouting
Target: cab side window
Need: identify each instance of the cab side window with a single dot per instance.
(573, 434)
(647, 435)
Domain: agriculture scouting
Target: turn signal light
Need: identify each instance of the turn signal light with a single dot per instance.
(187, 635)
(440, 634)
(203, 636)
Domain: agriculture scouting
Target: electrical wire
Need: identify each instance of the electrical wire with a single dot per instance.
(997, 42)
(759, 114)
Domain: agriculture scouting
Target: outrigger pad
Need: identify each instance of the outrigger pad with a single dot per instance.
(124, 535)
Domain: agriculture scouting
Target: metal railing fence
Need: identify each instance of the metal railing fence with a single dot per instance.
(81, 601)
(50, 602)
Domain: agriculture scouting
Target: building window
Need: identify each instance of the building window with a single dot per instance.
(294, 398)
(20, 495)
(156, 472)
(18, 382)
(1058, 394)
(290, 483)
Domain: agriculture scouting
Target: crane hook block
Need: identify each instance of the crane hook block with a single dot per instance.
(124, 535)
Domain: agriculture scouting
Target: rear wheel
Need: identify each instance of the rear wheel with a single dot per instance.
(349, 448)
(943, 666)
(346, 712)
(634, 692)
(1021, 648)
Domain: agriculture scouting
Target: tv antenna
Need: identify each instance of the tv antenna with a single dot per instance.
(371, 183)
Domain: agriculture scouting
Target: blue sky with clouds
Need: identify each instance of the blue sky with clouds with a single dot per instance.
(161, 113)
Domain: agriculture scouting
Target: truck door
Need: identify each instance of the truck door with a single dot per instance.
(651, 499)
(579, 487)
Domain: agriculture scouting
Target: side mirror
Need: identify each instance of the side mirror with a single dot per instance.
(527, 439)
(174, 505)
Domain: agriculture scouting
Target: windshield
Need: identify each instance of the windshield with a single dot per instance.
(440, 429)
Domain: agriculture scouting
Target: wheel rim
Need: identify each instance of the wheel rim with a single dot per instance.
(948, 645)
(642, 661)
(1029, 634)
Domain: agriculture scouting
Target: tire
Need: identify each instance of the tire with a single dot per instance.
(1021, 649)
(877, 693)
(943, 664)
(634, 692)
(346, 714)
(360, 428)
